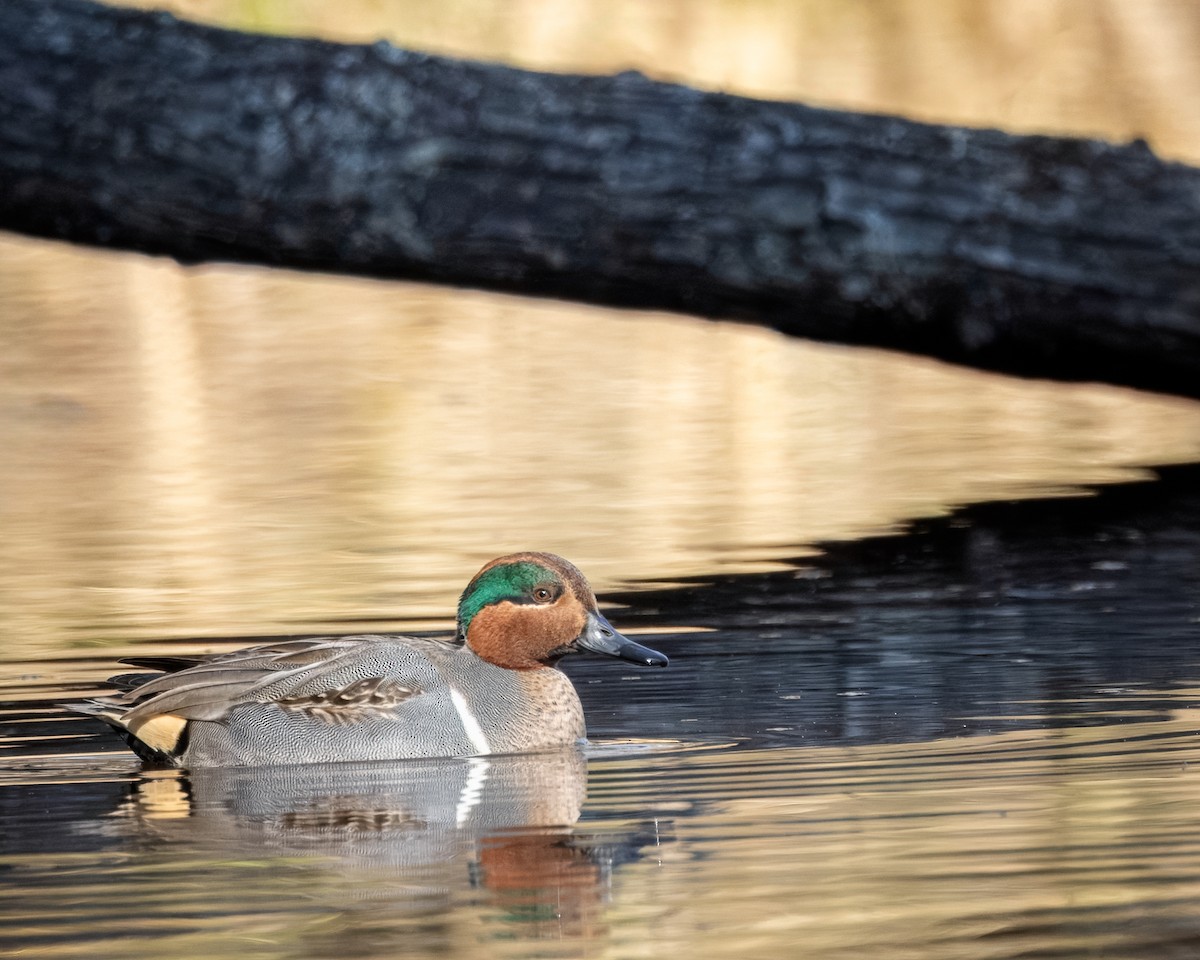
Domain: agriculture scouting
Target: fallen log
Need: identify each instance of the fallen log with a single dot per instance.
(1031, 255)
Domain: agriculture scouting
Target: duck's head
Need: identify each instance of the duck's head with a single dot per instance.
(527, 610)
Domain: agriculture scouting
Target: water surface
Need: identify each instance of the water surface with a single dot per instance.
(977, 740)
(225, 451)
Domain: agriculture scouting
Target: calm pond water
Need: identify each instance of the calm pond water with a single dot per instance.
(894, 723)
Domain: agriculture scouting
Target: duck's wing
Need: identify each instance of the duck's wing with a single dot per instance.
(337, 680)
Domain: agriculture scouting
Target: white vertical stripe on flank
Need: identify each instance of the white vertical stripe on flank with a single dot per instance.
(471, 726)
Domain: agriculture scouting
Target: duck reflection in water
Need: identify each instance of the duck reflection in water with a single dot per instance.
(417, 763)
(412, 833)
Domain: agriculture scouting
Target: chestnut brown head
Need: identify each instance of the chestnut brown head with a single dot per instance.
(525, 611)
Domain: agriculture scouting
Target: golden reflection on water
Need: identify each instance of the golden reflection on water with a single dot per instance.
(233, 451)
(1070, 842)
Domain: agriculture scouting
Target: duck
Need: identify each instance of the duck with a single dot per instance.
(492, 688)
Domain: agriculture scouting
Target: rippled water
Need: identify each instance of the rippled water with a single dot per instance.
(1050, 843)
(978, 740)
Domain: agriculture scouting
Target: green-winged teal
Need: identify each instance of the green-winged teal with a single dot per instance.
(493, 689)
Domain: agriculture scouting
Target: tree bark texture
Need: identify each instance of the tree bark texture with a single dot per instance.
(1036, 256)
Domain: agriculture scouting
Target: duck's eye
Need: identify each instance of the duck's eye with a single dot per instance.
(543, 594)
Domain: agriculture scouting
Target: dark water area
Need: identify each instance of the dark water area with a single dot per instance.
(1061, 608)
(973, 739)
(1064, 609)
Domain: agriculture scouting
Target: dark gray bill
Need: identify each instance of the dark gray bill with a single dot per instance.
(599, 636)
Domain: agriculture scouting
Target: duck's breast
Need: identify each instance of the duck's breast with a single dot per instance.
(514, 710)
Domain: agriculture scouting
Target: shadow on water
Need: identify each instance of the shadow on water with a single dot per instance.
(1047, 612)
(975, 739)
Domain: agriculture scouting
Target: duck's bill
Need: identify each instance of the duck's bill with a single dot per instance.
(599, 636)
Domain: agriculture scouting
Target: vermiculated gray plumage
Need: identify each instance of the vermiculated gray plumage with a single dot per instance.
(330, 699)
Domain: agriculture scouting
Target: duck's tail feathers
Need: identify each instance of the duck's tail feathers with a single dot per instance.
(160, 740)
